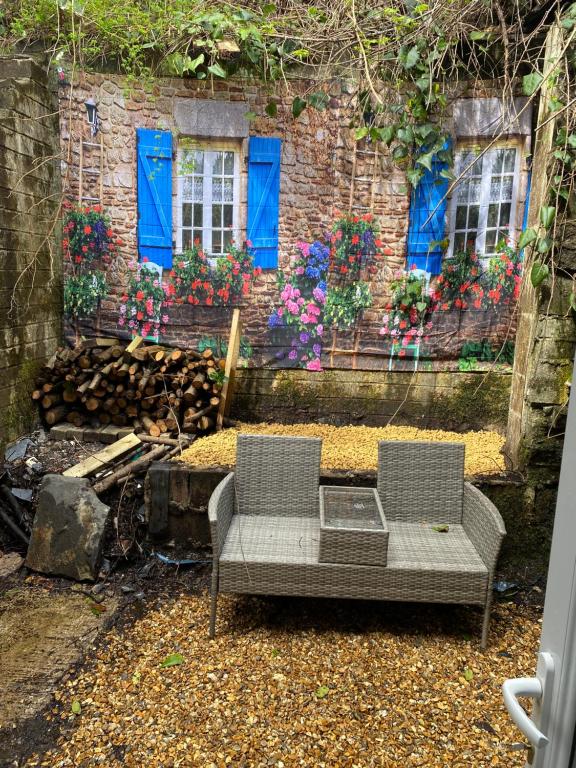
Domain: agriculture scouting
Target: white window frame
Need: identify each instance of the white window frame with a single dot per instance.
(485, 196)
(208, 148)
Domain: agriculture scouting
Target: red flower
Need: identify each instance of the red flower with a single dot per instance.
(124, 298)
(190, 299)
(402, 324)
(355, 239)
(78, 259)
(87, 229)
(209, 301)
(109, 233)
(478, 303)
(206, 286)
(139, 315)
(145, 259)
(139, 295)
(343, 269)
(402, 353)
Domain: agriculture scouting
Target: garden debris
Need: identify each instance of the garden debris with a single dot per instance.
(298, 683)
(17, 450)
(68, 529)
(10, 562)
(353, 448)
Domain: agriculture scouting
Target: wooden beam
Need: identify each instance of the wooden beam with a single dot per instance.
(230, 368)
(104, 457)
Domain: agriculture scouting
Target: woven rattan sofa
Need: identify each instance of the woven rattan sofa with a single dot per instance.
(265, 527)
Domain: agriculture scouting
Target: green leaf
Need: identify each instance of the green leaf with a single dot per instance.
(76, 707)
(468, 675)
(547, 214)
(271, 109)
(421, 306)
(173, 660)
(250, 115)
(387, 134)
(572, 300)
(544, 244)
(414, 175)
(361, 132)
(216, 70)
(426, 160)
(268, 9)
(298, 106)
(531, 83)
(275, 652)
(443, 528)
(322, 692)
(538, 273)
(527, 237)
(193, 64)
(410, 57)
(319, 100)
(478, 35)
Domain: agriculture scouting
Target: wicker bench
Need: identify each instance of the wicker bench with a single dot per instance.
(265, 527)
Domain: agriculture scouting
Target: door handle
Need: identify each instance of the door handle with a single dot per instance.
(538, 688)
(524, 686)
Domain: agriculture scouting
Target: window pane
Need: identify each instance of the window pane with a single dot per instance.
(187, 189)
(473, 216)
(495, 188)
(216, 215)
(217, 190)
(228, 239)
(474, 193)
(229, 163)
(198, 237)
(471, 240)
(216, 241)
(505, 214)
(186, 239)
(461, 217)
(228, 190)
(228, 209)
(490, 240)
(509, 159)
(187, 215)
(498, 160)
(217, 164)
(459, 242)
(493, 215)
(462, 192)
(198, 214)
(198, 188)
(507, 188)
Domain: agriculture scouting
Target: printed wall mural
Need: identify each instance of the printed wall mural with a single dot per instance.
(319, 311)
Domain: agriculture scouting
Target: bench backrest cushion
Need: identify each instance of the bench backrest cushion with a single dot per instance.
(421, 482)
(278, 475)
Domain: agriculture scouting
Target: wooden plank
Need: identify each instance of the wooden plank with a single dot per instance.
(102, 458)
(159, 481)
(230, 368)
(134, 344)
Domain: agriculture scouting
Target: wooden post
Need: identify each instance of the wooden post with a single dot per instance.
(230, 368)
(528, 301)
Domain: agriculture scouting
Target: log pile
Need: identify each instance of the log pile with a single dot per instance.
(156, 390)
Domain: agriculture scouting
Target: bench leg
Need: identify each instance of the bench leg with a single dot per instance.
(486, 621)
(213, 602)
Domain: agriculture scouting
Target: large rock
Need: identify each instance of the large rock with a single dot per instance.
(68, 529)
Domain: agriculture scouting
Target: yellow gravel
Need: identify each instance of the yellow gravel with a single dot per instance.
(290, 683)
(352, 448)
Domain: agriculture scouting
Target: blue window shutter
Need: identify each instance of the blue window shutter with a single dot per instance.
(263, 199)
(155, 195)
(426, 203)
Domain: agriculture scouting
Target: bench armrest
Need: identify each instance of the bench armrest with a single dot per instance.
(220, 512)
(483, 525)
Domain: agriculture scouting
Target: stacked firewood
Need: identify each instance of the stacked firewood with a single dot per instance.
(155, 389)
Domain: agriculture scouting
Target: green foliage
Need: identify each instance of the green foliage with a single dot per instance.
(82, 293)
(344, 303)
(219, 346)
(143, 302)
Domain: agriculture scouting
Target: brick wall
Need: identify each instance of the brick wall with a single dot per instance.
(30, 257)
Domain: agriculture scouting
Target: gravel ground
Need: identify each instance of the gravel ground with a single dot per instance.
(353, 448)
(292, 682)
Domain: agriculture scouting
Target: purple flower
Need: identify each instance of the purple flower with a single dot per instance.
(304, 337)
(293, 354)
(317, 349)
(319, 330)
(319, 295)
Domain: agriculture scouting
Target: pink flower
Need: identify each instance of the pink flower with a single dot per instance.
(304, 318)
(280, 311)
(314, 365)
(292, 307)
(164, 318)
(319, 330)
(299, 270)
(312, 309)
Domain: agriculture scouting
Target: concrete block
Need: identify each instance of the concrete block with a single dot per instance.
(211, 118)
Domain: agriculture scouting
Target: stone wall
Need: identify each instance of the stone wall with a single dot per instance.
(30, 257)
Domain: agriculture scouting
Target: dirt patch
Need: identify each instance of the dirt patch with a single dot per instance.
(43, 632)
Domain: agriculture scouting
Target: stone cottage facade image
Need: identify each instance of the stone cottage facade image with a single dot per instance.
(336, 263)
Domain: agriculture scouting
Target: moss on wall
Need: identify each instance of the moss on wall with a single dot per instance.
(474, 403)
